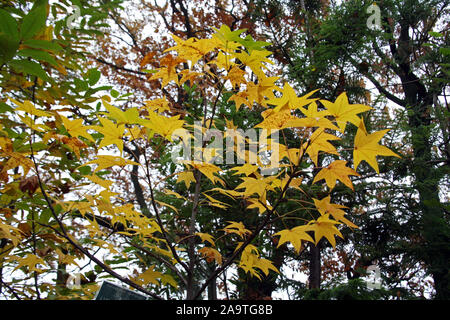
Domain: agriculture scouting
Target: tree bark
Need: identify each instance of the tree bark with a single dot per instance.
(314, 266)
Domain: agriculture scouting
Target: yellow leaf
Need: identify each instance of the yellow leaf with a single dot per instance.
(206, 237)
(324, 227)
(275, 120)
(106, 161)
(162, 125)
(366, 147)
(30, 261)
(294, 236)
(246, 169)
(9, 232)
(240, 99)
(344, 112)
(207, 169)
(230, 193)
(187, 177)
(255, 60)
(258, 186)
(159, 105)
(65, 258)
(167, 205)
(264, 88)
(256, 204)
(31, 123)
(112, 133)
(312, 111)
(101, 182)
(211, 254)
(150, 276)
(130, 116)
(76, 128)
(216, 203)
(289, 100)
(310, 122)
(319, 142)
(250, 260)
(265, 265)
(336, 171)
(173, 193)
(236, 76)
(325, 207)
(29, 108)
(16, 160)
(168, 279)
(237, 228)
(188, 75)
(168, 72)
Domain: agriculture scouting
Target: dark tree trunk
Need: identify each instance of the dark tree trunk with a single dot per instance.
(314, 266)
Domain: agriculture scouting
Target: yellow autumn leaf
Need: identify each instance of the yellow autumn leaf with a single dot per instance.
(236, 76)
(366, 147)
(206, 237)
(166, 205)
(310, 122)
(106, 161)
(30, 261)
(250, 260)
(130, 116)
(265, 265)
(258, 92)
(246, 169)
(187, 177)
(17, 160)
(289, 99)
(211, 254)
(208, 169)
(230, 193)
(101, 182)
(29, 108)
(325, 207)
(237, 228)
(173, 193)
(294, 236)
(312, 111)
(319, 142)
(149, 276)
(215, 203)
(76, 128)
(324, 227)
(162, 125)
(9, 232)
(337, 170)
(343, 111)
(255, 60)
(112, 133)
(257, 204)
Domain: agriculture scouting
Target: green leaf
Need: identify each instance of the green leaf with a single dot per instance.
(34, 21)
(9, 36)
(42, 44)
(435, 34)
(38, 55)
(29, 67)
(45, 216)
(93, 76)
(445, 51)
(85, 170)
(5, 108)
(114, 93)
(37, 146)
(80, 85)
(8, 25)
